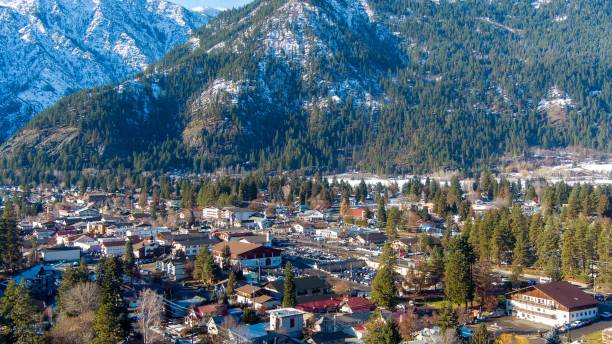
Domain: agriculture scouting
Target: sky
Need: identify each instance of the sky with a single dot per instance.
(222, 4)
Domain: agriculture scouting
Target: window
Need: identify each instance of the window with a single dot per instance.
(292, 322)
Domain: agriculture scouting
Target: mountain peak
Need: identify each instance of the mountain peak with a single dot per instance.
(54, 47)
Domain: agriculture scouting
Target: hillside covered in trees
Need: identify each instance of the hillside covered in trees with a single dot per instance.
(385, 86)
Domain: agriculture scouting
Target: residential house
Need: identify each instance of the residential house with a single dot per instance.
(552, 304)
(112, 248)
(331, 233)
(287, 321)
(369, 238)
(173, 269)
(145, 248)
(190, 244)
(86, 243)
(357, 305)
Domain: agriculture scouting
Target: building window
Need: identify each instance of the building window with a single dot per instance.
(292, 322)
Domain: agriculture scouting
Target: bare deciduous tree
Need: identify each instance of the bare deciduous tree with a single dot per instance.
(81, 298)
(151, 310)
(70, 330)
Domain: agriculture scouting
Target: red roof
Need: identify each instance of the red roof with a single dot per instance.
(210, 310)
(320, 306)
(356, 212)
(357, 304)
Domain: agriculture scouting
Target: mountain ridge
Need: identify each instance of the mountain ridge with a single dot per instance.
(55, 47)
(385, 86)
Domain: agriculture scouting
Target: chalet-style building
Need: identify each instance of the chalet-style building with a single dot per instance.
(247, 255)
(551, 304)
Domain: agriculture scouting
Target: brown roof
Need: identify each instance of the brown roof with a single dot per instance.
(565, 294)
(262, 299)
(236, 247)
(248, 290)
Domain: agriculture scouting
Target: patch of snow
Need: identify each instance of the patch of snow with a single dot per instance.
(559, 19)
(555, 97)
(539, 3)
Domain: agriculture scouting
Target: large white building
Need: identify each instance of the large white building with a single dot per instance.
(552, 304)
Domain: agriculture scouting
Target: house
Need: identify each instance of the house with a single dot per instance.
(112, 248)
(146, 231)
(246, 294)
(356, 305)
(247, 255)
(86, 243)
(61, 253)
(357, 213)
(331, 233)
(216, 324)
(248, 334)
(211, 213)
(190, 244)
(198, 315)
(320, 306)
(328, 338)
(173, 269)
(310, 288)
(551, 304)
(86, 213)
(368, 238)
(287, 321)
(304, 228)
(145, 248)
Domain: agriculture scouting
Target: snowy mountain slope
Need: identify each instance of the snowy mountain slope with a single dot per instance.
(54, 47)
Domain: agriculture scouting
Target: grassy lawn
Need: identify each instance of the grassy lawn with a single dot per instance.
(438, 304)
(592, 338)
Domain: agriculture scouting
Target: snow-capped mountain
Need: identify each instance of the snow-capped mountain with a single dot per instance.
(337, 84)
(51, 48)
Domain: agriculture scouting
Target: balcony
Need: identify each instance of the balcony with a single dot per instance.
(541, 305)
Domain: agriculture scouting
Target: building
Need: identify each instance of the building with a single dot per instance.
(247, 255)
(174, 270)
(357, 305)
(190, 245)
(287, 321)
(112, 248)
(61, 253)
(551, 304)
(368, 238)
(310, 288)
(211, 213)
(331, 233)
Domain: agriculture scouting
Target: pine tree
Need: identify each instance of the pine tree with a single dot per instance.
(10, 242)
(381, 215)
(383, 286)
(458, 285)
(204, 269)
(447, 318)
(129, 262)
(19, 316)
(289, 293)
(480, 335)
(383, 332)
(111, 323)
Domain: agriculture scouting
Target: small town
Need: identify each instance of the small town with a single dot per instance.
(308, 260)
